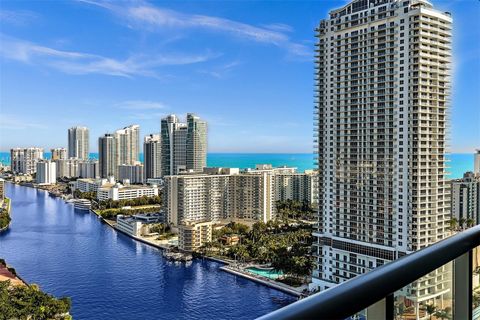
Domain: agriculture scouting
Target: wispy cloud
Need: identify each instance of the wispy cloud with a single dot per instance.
(142, 105)
(146, 16)
(17, 17)
(221, 71)
(72, 62)
(12, 122)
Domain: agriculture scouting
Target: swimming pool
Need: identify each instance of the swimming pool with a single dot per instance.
(272, 274)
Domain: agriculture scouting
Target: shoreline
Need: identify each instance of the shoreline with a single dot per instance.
(226, 264)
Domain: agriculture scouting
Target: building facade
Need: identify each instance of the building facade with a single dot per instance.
(24, 160)
(124, 192)
(132, 173)
(466, 197)
(58, 154)
(183, 145)
(67, 168)
(127, 145)
(152, 157)
(46, 172)
(89, 169)
(78, 143)
(382, 87)
(107, 156)
(218, 194)
(196, 157)
(193, 235)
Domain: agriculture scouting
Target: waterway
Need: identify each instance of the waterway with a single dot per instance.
(111, 276)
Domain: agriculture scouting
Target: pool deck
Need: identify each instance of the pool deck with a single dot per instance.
(263, 280)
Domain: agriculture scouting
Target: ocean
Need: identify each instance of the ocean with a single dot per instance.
(459, 162)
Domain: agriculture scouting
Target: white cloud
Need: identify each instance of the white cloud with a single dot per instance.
(142, 105)
(72, 62)
(221, 71)
(150, 17)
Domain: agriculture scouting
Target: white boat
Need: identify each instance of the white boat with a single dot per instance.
(82, 204)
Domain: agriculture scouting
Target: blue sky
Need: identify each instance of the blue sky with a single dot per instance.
(245, 66)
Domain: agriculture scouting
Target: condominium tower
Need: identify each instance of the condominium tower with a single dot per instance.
(78, 143)
(24, 160)
(466, 197)
(107, 155)
(382, 86)
(183, 145)
(120, 148)
(152, 156)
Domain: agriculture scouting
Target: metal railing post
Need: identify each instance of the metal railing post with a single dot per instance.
(462, 286)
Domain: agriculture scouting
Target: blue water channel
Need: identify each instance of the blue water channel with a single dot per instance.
(111, 276)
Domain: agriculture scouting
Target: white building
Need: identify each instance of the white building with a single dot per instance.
(121, 147)
(78, 143)
(46, 172)
(89, 169)
(382, 87)
(24, 160)
(466, 197)
(91, 185)
(138, 224)
(131, 172)
(220, 193)
(67, 168)
(123, 192)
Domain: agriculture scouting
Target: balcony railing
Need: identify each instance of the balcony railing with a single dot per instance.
(375, 291)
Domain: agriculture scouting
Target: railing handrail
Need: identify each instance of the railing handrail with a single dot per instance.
(357, 294)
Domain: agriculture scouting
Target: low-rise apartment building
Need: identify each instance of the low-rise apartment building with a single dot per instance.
(138, 224)
(124, 192)
(193, 235)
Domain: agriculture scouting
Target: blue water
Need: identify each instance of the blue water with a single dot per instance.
(459, 162)
(110, 276)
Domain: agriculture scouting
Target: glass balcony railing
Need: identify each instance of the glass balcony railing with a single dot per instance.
(441, 281)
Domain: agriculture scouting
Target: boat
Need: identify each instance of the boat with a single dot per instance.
(177, 256)
(82, 204)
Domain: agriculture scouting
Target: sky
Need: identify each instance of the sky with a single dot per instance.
(244, 66)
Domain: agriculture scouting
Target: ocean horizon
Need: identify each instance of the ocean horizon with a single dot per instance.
(458, 164)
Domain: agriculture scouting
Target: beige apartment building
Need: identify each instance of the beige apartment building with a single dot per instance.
(192, 235)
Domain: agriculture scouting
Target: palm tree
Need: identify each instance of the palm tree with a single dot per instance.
(453, 224)
(461, 223)
(470, 222)
(430, 309)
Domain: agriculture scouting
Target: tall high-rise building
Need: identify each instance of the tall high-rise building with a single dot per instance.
(24, 160)
(46, 172)
(466, 197)
(78, 143)
(58, 153)
(107, 155)
(152, 156)
(120, 148)
(128, 144)
(196, 143)
(382, 87)
(184, 145)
